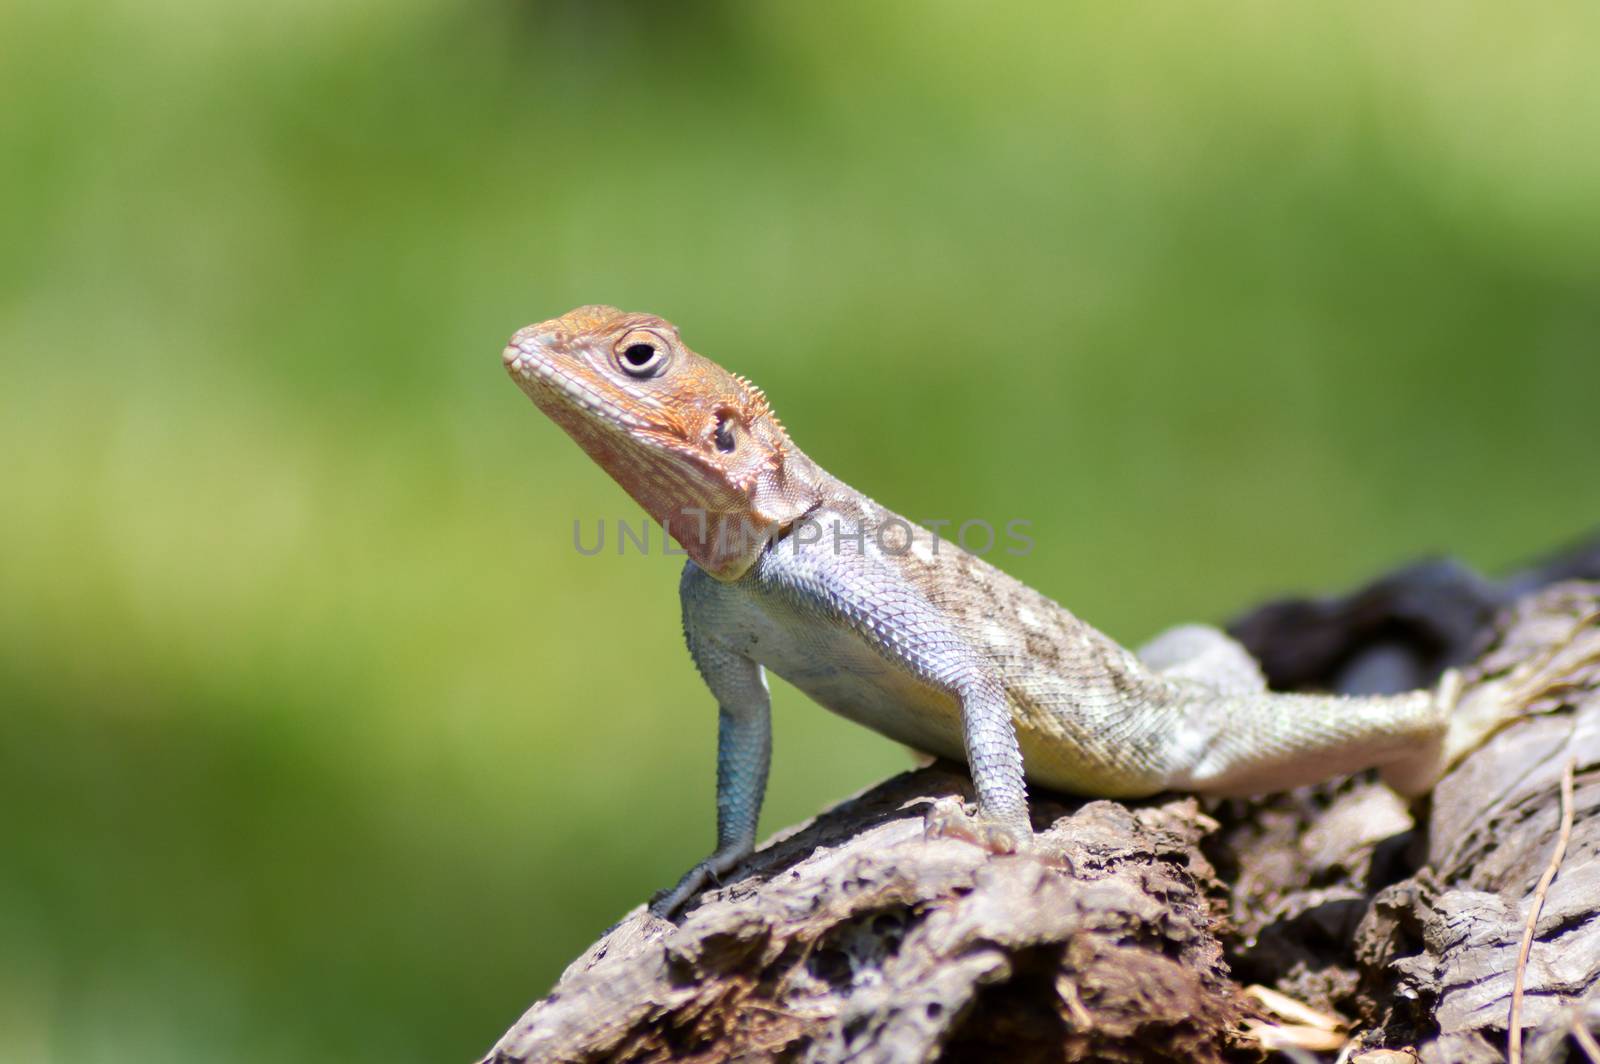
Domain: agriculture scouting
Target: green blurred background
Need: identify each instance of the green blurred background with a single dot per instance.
(320, 742)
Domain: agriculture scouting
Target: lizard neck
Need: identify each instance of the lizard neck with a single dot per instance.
(724, 535)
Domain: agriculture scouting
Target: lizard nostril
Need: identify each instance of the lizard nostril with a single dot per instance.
(531, 344)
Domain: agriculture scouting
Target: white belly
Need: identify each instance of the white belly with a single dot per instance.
(839, 671)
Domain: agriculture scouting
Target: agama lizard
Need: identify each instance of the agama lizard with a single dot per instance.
(790, 569)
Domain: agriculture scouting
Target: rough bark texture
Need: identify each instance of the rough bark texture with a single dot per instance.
(1130, 933)
(1338, 900)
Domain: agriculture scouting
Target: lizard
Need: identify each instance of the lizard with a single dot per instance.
(788, 569)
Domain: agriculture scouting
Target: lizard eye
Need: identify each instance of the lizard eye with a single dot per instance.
(641, 354)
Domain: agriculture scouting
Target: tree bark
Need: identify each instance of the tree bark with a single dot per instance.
(1130, 933)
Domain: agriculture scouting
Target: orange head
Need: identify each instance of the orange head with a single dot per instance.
(696, 446)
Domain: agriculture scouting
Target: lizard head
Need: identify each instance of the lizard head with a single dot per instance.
(696, 446)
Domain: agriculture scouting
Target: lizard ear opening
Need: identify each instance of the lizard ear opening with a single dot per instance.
(723, 433)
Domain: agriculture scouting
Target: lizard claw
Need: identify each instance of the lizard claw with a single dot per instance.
(703, 876)
(948, 818)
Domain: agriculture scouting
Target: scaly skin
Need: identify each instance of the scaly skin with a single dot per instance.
(912, 636)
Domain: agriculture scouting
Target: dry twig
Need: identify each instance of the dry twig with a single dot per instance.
(1514, 1025)
(1584, 1037)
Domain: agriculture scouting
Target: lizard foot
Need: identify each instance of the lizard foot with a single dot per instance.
(704, 876)
(664, 903)
(1571, 661)
(948, 818)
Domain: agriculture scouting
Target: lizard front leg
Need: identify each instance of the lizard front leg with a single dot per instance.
(864, 594)
(744, 754)
(995, 761)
